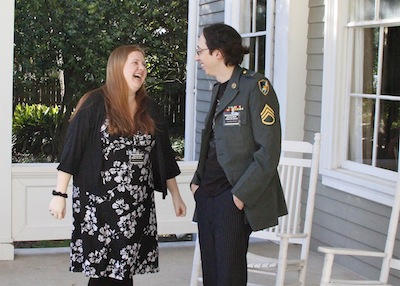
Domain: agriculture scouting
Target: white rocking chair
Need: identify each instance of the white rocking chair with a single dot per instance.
(289, 230)
(388, 261)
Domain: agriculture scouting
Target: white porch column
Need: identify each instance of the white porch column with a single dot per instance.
(190, 107)
(291, 26)
(6, 90)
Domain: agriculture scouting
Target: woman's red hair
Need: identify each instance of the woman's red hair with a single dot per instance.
(115, 90)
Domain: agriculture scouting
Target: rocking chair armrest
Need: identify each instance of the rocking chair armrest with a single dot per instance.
(292, 235)
(349, 251)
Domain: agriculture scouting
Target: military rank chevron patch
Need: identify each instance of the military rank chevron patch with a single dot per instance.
(267, 115)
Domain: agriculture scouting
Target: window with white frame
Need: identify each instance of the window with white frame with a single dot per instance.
(374, 85)
(361, 99)
(253, 22)
(253, 30)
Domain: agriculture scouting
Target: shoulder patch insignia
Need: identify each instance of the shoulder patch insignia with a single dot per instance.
(267, 115)
(263, 85)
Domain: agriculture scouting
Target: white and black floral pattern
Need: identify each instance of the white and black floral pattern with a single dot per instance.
(115, 230)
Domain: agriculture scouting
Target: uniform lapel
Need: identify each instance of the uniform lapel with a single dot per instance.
(213, 105)
(230, 92)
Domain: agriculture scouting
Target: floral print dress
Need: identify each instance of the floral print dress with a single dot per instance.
(115, 232)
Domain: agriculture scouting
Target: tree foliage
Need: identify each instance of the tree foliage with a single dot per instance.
(74, 38)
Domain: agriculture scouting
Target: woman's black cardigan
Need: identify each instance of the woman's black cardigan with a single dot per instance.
(82, 153)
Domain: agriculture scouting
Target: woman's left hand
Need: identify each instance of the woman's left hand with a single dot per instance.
(179, 205)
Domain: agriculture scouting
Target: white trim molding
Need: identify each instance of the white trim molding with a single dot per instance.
(290, 64)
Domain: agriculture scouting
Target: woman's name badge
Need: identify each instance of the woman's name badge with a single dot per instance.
(136, 158)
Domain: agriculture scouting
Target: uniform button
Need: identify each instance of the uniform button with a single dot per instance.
(234, 85)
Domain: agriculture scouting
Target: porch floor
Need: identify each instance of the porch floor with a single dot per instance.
(49, 267)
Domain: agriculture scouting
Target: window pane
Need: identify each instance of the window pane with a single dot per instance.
(388, 135)
(253, 16)
(361, 130)
(363, 10)
(389, 120)
(391, 62)
(256, 58)
(365, 61)
(390, 9)
(261, 15)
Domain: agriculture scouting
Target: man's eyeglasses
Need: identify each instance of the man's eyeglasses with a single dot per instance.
(198, 51)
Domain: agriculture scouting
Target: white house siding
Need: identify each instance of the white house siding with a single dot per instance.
(340, 219)
(314, 69)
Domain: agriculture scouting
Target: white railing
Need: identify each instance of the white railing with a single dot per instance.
(31, 194)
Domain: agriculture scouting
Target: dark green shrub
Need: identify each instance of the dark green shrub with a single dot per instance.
(33, 131)
(178, 145)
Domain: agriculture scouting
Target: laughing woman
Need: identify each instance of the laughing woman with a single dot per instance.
(118, 152)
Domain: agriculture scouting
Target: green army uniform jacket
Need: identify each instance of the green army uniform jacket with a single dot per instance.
(248, 145)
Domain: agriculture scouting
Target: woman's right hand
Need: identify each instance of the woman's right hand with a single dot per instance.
(57, 207)
(58, 203)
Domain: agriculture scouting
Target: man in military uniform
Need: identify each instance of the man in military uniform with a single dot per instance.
(236, 185)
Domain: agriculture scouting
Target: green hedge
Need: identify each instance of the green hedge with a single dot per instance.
(33, 131)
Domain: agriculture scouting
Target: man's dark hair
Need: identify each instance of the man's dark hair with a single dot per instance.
(226, 39)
